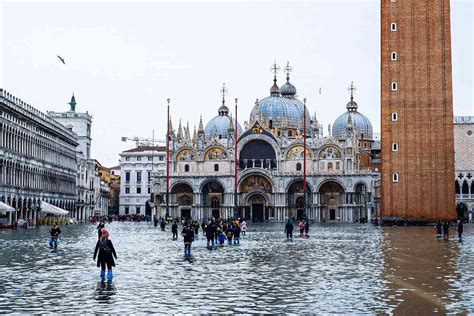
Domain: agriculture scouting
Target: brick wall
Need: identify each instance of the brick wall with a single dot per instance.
(424, 161)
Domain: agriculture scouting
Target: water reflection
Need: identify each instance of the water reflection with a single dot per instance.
(104, 292)
(339, 269)
(421, 271)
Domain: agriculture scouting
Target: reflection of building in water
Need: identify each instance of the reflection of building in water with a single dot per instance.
(464, 165)
(420, 271)
(270, 164)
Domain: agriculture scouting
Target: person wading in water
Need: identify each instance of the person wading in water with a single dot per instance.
(106, 253)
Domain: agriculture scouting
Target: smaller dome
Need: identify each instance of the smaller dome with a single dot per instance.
(360, 123)
(288, 90)
(223, 110)
(351, 106)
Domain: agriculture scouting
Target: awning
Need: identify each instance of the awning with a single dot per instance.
(51, 209)
(6, 208)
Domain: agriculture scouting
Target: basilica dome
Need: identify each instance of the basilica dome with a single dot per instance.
(360, 123)
(282, 108)
(220, 124)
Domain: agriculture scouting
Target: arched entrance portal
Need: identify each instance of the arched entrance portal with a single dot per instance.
(257, 204)
(297, 208)
(182, 200)
(331, 197)
(212, 199)
(255, 190)
(461, 211)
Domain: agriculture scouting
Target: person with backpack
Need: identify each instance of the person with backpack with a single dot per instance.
(188, 234)
(55, 232)
(237, 234)
(105, 253)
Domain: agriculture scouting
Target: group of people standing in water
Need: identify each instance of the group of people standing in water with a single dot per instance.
(442, 229)
(215, 231)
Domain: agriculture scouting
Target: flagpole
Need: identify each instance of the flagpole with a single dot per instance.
(304, 156)
(235, 159)
(168, 158)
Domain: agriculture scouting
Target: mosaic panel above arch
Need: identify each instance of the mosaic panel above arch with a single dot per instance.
(215, 153)
(186, 155)
(296, 152)
(330, 152)
(256, 183)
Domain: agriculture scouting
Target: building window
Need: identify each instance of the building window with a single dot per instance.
(338, 165)
(127, 158)
(162, 158)
(394, 177)
(469, 133)
(149, 176)
(127, 176)
(139, 190)
(394, 55)
(127, 190)
(216, 167)
(394, 146)
(394, 86)
(393, 27)
(138, 210)
(139, 176)
(186, 168)
(290, 133)
(150, 158)
(139, 158)
(298, 166)
(149, 190)
(394, 116)
(127, 210)
(330, 166)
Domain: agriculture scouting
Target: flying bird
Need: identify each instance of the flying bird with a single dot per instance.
(61, 59)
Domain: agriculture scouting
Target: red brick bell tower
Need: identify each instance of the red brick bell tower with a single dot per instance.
(417, 110)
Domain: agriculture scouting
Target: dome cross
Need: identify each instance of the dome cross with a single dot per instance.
(351, 90)
(223, 93)
(275, 68)
(288, 69)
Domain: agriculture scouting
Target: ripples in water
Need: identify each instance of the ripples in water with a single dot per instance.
(339, 269)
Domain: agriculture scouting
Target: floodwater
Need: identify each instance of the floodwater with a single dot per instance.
(340, 269)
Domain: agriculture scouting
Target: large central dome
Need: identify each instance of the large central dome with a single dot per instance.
(282, 110)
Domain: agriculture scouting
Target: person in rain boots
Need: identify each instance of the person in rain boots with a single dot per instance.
(188, 237)
(55, 232)
(105, 253)
(289, 230)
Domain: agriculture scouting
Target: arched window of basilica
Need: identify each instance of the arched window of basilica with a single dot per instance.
(298, 166)
(216, 167)
(186, 168)
(330, 166)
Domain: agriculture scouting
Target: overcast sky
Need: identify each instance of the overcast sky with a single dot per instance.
(123, 59)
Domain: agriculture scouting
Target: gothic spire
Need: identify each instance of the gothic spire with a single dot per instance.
(180, 131)
(201, 126)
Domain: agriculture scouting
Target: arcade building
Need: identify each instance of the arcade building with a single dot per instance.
(341, 167)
